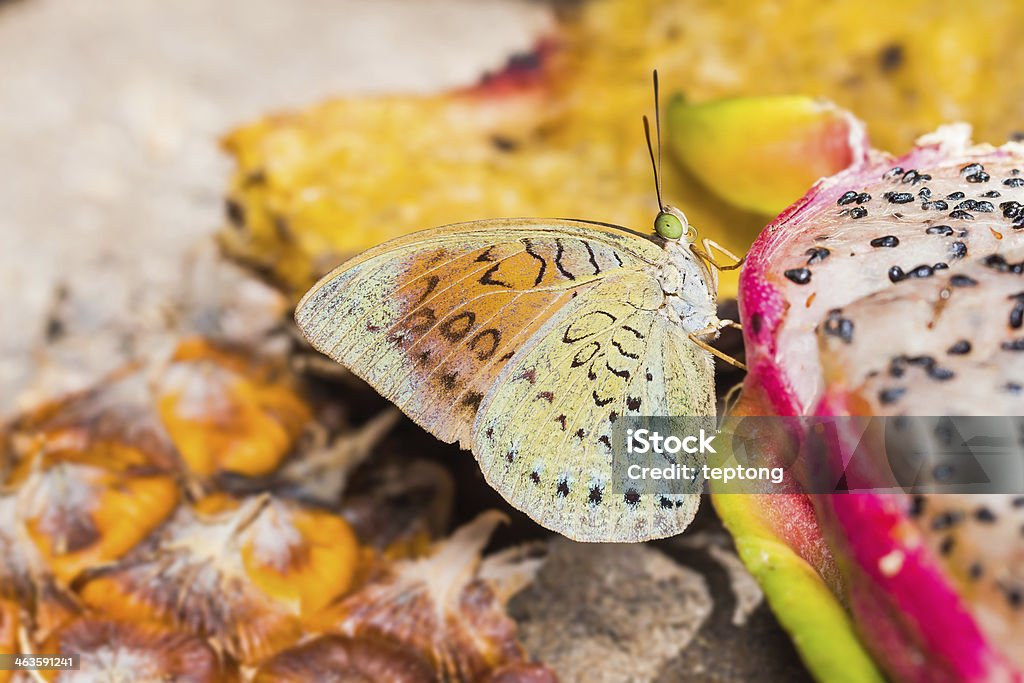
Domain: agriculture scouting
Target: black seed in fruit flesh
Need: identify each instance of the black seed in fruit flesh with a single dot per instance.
(816, 255)
(836, 325)
(849, 197)
(890, 396)
(899, 197)
(959, 348)
(962, 281)
(888, 241)
(800, 276)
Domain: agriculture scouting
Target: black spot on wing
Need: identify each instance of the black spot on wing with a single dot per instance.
(586, 354)
(421, 320)
(488, 340)
(624, 352)
(543, 263)
(432, 283)
(593, 257)
(449, 380)
(559, 252)
(570, 338)
(618, 373)
(456, 328)
(485, 255)
(472, 400)
(530, 375)
(601, 402)
(488, 278)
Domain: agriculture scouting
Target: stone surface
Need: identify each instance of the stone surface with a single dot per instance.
(610, 613)
(681, 610)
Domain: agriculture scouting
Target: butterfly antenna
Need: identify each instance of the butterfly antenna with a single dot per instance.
(655, 160)
(657, 127)
(654, 164)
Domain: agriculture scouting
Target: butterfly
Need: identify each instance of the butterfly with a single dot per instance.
(525, 340)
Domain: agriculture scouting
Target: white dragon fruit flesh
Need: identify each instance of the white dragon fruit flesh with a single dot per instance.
(896, 288)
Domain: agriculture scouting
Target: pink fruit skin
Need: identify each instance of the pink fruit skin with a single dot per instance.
(912, 620)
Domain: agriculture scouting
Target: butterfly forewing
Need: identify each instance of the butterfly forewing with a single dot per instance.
(465, 326)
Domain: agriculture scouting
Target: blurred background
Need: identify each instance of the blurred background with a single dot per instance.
(110, 113)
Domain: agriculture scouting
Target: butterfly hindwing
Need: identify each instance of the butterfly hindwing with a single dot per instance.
(609, 357)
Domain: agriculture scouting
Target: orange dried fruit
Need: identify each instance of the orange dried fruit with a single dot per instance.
(81, 516)
(245, 574)
(334, 659)
(141, 652)
(228, 413)
(295, 183)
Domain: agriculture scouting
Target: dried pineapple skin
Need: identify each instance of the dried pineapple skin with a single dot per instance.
(245, 574)
(196, 571)
(316, 186)
(227, 413)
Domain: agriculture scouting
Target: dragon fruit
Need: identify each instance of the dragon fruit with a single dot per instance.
(895, 287)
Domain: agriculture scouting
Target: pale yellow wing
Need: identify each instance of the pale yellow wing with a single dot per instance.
(544, 436)
(442, 321)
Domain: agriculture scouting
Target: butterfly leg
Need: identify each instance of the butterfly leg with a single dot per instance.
(731, 398)
(698, 339)
(709, 246)
(729, 323)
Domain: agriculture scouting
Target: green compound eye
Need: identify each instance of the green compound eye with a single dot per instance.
(668, 226)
